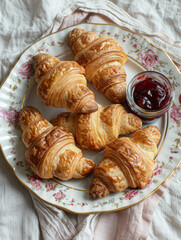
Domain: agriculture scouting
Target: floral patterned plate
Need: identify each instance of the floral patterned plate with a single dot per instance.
(19, 89)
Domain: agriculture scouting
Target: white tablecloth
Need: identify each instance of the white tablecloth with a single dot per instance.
(23, 22)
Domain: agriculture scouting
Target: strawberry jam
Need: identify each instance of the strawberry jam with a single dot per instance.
(150, 94)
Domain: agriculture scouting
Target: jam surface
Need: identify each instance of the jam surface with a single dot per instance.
(150, 94)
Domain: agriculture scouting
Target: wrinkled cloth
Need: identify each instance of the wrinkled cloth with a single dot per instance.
(157, 217)
(107, 12)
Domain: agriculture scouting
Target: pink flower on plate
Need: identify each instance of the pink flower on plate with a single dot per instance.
(149, 183)
(10, 116)
(157, 170)
(148, 59)
(11, 141)
(59, 195)
(174, 151)
(72, 201)
(35, 182)
(103, 33)
(175, 113)
(25, 69)
(49, 186)
(30, 55)
(131, 194)
(116, 35)
(52, 43)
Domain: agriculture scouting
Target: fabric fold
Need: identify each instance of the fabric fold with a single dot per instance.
(80, 11)
(18, 218)
(54, 222)
(131, 223)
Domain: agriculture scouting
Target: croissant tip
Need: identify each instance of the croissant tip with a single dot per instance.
(26, 115)
(54, 121)
(98, 190)
(90, 107)
(38, 58)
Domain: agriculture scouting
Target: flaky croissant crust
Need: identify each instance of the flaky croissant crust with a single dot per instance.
(51, 150)
(93, 131)
(62, 84)
(128, 162)
(102, 58)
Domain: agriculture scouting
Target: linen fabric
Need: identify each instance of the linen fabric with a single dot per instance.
(22, 23)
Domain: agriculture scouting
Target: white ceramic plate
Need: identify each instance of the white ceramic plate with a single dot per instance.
(19, 89)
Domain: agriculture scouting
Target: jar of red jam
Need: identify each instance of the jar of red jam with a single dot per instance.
(149, 95)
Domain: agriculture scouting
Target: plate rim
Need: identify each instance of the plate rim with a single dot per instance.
(28, 188)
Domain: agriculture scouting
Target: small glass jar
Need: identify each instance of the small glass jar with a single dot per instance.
(159, 84)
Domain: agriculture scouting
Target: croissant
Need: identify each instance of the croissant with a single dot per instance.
(94, 130)
(102, 58)
(51, 150)
(62, 84)
(128, 162)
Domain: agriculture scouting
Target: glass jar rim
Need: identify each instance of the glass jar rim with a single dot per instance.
(144, 112)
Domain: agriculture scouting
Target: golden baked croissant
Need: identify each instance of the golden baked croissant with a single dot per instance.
(128, 162)
(62, 84)
(94, 130)
(51, 150)
(102, 58)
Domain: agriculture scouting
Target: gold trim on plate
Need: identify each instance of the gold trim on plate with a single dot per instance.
(93, 212)
(90, 212)
(90, 24)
